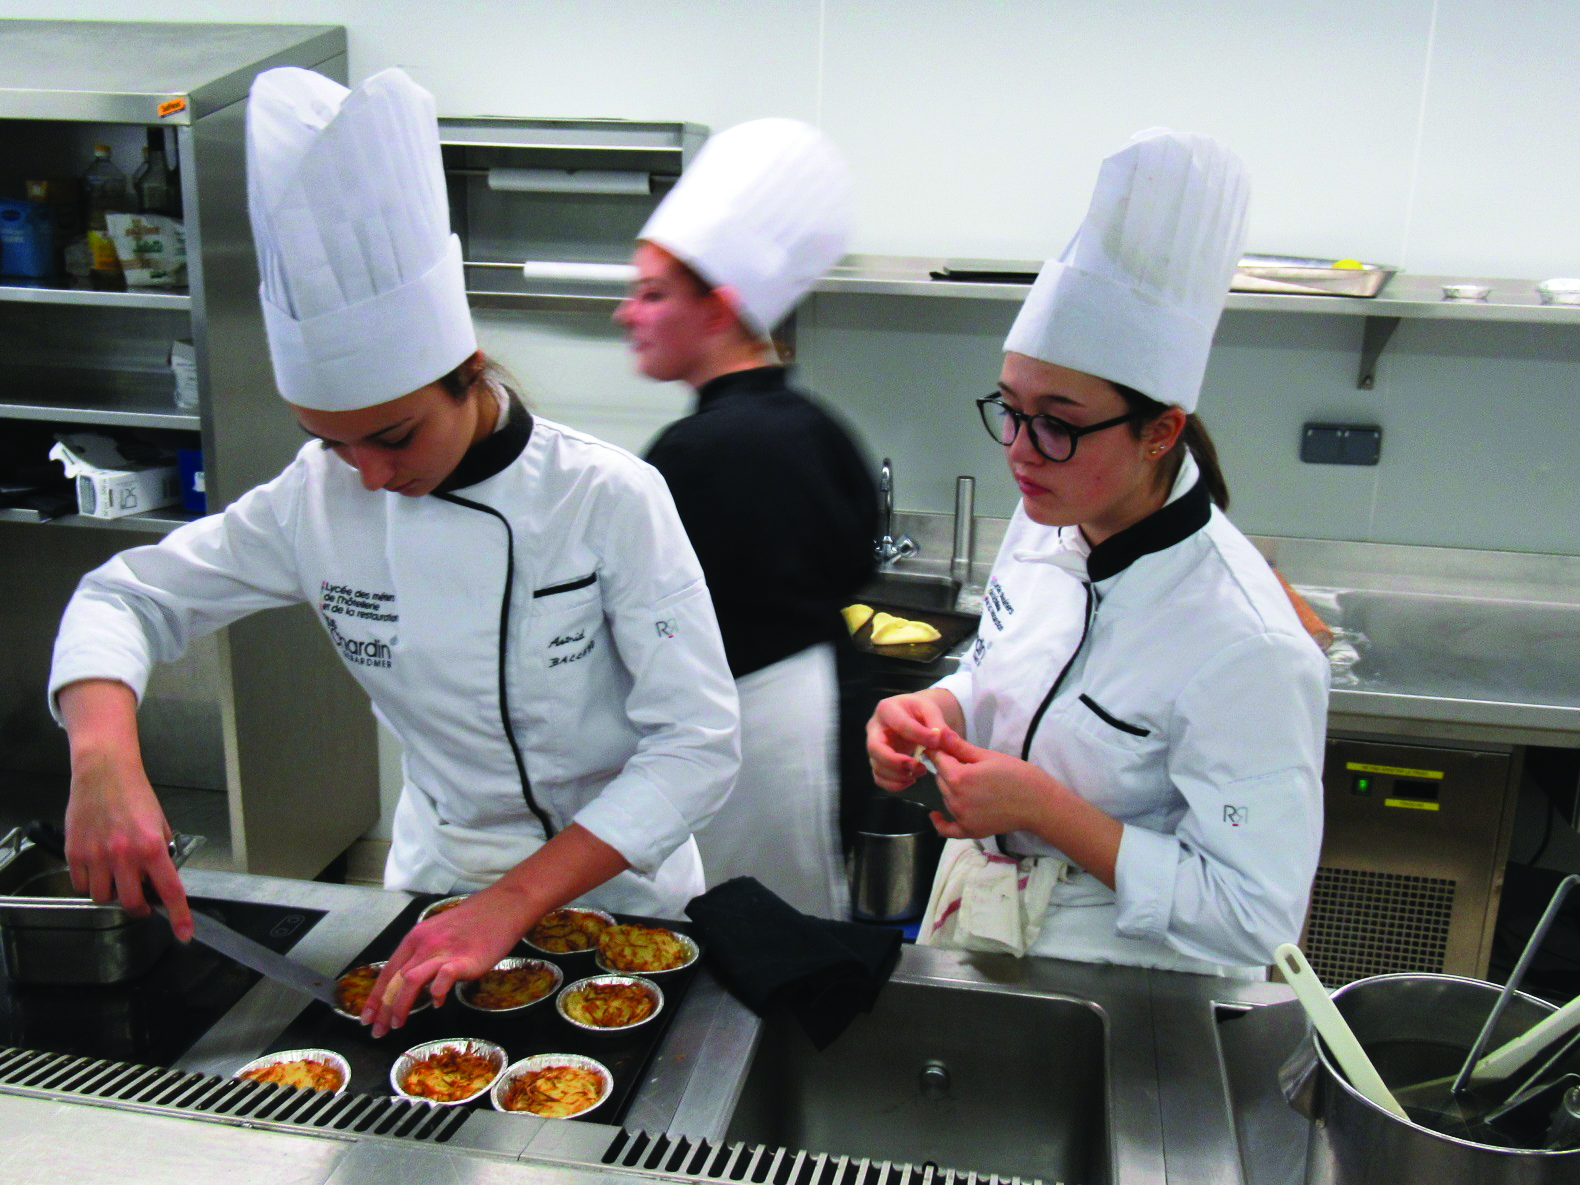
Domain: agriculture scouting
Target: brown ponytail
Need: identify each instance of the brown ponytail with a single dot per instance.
(1194, 437)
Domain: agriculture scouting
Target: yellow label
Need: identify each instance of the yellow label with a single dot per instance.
(1397, 771)
(102, 248)
(171, 107)
(1411, 804)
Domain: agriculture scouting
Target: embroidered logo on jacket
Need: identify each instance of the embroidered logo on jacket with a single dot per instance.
(1237, 816)
(996, 605)
(351, 605)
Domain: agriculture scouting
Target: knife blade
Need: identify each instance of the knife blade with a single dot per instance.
(254, 955)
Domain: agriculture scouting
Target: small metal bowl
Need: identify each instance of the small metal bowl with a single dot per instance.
(441, 906)
(327, 1056)
(465, 992)
(1466, 291)
(423, 1001)
(606, 918)
(1559, 291)
(689, 950)
(406, 1061)
(652, 990)
(543, 1061)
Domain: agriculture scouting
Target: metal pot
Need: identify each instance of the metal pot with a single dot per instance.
(1414, 1028)
(50, 934)
(896, 854)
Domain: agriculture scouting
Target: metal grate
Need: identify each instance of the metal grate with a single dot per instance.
(225, 1100)
(759, 1165)
(1375, 923)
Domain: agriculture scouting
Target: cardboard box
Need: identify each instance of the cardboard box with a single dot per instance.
(109, 484)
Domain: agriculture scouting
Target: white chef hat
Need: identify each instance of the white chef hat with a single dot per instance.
(363, 293)
(1137, 294)
(765, 209)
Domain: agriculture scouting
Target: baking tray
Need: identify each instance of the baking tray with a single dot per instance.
(538, 1029)
(952, 628)
(1297, 275)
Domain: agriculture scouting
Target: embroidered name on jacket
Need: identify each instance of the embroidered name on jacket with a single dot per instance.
(559, 660)
(345, 610)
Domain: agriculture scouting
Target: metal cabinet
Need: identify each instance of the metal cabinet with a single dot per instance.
(261, 718)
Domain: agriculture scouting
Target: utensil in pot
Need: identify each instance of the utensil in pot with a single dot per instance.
(1346, 1050)
(1486, 1073)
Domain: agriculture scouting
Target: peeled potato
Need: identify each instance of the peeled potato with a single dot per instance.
(888, 630)
(856, 616)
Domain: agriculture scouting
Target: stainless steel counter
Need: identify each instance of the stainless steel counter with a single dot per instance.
(1163, 1077)
(1433, 643)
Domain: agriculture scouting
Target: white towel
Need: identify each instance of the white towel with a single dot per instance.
(987, 902)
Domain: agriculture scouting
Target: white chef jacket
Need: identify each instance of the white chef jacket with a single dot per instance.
(619, 697)
(1190, 706)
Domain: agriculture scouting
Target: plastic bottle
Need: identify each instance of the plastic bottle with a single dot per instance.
(104, 190)
(152, 182)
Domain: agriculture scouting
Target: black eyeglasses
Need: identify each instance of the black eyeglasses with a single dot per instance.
(1050, 435)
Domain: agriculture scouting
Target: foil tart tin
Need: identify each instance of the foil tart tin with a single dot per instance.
(608, 920)
(1561, 290)
(405, 1062)
(687, 943)
(327, 1056)
(464, 991)
(656, 992)
(423, 1001)
(543, 1061)
(441, 906)
(1466, 291)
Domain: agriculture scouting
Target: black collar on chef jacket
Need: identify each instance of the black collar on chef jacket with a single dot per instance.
(759, 380)
(493, 454)
(1163, 528)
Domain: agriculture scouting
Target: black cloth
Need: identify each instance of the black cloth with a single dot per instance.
(781, 507)
(773, 956)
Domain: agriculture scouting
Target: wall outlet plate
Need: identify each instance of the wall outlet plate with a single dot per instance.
(1340, 444)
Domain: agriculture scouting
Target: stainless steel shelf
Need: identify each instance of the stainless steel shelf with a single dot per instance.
(133, 72)
(106, 417)
(27, 293)
(152, 522)
(1404, 296)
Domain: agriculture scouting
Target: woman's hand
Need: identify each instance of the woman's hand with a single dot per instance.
(989, 793)
(449, 948)
(986, 792)
(462, 943)
(116, 833)
(900, 726)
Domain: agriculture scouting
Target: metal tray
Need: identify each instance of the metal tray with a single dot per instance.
(951, 627)
(521, 1033)
(49, 933)
(1296, 275)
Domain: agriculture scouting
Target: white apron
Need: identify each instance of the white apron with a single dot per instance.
(781, 822)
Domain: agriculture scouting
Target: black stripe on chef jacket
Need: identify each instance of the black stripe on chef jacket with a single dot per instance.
(1160, 530)
(490, 456)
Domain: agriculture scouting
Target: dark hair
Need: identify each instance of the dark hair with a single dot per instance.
(459, 387)
(1194, 437)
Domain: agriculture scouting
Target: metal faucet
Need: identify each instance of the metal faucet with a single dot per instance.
(889, 549)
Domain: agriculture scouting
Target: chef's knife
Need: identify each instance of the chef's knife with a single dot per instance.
(254, 955)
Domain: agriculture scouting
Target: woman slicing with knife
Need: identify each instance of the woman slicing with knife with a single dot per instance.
(518, 600)
(1131, 754)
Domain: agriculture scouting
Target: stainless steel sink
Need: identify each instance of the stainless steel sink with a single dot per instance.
(985, 1080)
(1454, 646)
(911, 587)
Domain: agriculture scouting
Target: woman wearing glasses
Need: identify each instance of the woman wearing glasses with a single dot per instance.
(1130, 756)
